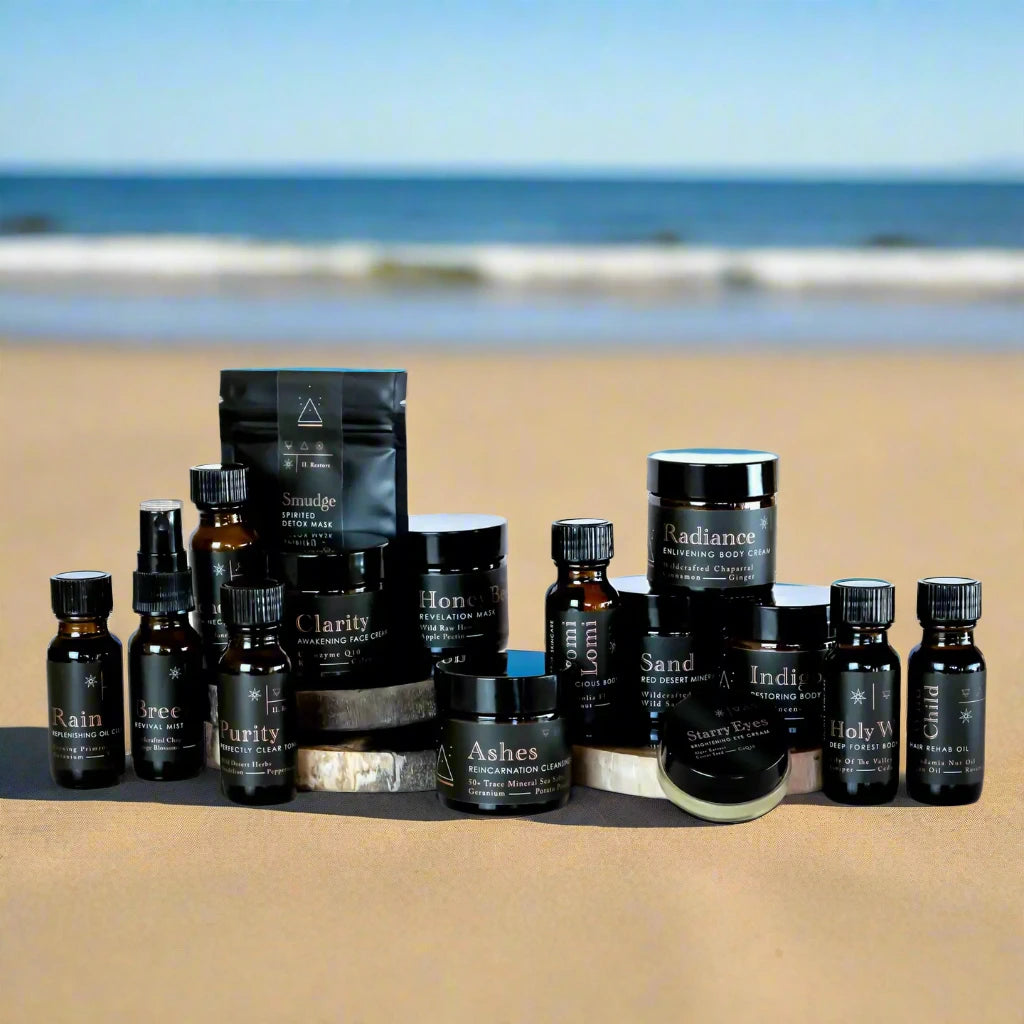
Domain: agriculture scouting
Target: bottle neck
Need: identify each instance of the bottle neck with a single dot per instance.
(222, 515)
(248, 637)
(573, 572)
(164, 620)
(861, 636)
(81, 626)
(948, 636)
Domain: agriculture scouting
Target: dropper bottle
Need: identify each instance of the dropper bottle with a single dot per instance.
(167, 702)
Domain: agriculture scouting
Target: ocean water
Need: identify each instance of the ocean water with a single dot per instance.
(478, 260)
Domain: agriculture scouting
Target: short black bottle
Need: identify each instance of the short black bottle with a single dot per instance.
(255, 698)
(861, 754)
(85, 684)
(946, 695)
(581, 610)
(167, 687)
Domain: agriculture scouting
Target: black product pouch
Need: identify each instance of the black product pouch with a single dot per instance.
(325, 451)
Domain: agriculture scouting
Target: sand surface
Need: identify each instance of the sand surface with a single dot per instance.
(166, 908)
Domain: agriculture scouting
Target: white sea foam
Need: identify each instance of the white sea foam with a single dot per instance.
(987, 272)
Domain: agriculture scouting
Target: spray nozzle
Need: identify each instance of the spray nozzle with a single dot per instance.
(160, 545)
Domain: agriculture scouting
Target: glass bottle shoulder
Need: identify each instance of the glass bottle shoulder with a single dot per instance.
(90, 648)
(952, 660)
(595, 595)
(867, 658)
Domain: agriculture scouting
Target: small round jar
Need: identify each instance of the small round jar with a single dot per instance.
(336, 615)
(711, 519)
(461, 582)
(722, 760)
(664, 656)
(503, 745)
(776, 652)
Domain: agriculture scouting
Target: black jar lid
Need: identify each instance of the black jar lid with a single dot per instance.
(506, 683)
(356, 561)
(83, 592)
(252, 604)
(445, 540)
(712, 474)
(650, 612)
(724, 751)
(793, 613)
(948, 601)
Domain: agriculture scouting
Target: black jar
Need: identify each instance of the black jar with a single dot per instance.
(336, 616)
(711, 519)
(776, 652)
(503, 745)
(460, 582)
(665, 655)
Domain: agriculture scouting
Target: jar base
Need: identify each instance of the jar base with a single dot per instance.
(96, 779)
(504, 810)
(944, 796)
(863, 794)
(165, 771)
(258, 796)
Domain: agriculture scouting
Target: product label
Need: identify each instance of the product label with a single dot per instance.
(336, 634)
(210, 571)
(256, 729)
(711, 549)
(588, 641)
(86, 715)
(464, 607)
(862, 726)
(669, 671)
(310, 443)
(792, 681)
(487, 762)
(167, 707)
(946, 728)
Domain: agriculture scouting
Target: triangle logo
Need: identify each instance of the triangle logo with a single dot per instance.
(444, 769)
(310, 415)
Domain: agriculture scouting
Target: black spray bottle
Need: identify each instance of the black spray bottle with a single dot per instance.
(255, 698)
(861, 755)
(167, 695)
(946, 695)
(581, 609)
(85, 684)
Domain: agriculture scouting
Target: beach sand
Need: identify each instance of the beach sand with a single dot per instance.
(896, 466)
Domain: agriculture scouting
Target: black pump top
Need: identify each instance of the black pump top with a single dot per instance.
(217, 484)
(84, 593)
(718, 475)
(948, 601)
(863, 602)
(160, 546)
(252, 604)
(582, 541)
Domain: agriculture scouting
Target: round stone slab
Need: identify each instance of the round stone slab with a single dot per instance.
(635, 772)
(380, 707)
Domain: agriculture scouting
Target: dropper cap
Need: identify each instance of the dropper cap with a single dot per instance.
(162, 583)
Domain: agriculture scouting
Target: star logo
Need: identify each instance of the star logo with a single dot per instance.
(764, 522)
(720, 713)
(174, 673)
(218, 570)
(288, 463)
(91, 681)
(858, 696)
(965, 716)
(255, 695)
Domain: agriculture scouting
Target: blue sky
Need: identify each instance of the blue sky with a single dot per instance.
(721, 84)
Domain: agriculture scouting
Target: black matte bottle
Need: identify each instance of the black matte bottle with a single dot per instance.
(581, 610)
(85, 684)
(946, 695)
(167, 688)
(255, 699)
(861, 753)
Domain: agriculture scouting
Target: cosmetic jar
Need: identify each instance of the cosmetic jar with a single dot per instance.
(776, 652)
(663, 655)
(461, 582)
(722, 760)
(711, 519)
(503, 746)
(336, 616)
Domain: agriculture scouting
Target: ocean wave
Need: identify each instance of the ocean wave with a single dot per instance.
(184, 259)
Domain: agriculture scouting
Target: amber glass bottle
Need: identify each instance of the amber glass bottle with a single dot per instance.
(581, 610)
(946, 695)
(85, 684)
(255, 699)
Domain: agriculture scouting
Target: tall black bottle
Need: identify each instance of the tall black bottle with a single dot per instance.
(167, 694)
(581, 611)
(946, 695)
(85, 684)
(255, 698)
(861, 754)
